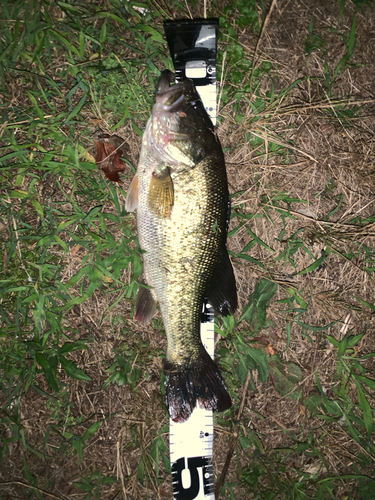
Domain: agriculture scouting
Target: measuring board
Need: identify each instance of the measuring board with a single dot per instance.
(192, 45)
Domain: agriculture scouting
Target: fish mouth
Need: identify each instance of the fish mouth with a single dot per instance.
(171, 97)
(170, 103)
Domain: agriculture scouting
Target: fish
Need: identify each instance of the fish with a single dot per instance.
(180, 194)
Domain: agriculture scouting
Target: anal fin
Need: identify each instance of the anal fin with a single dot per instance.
(145, 303)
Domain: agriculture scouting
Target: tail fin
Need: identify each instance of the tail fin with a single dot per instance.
(198, 382)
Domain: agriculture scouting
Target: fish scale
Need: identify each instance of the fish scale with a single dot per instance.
(184, 240)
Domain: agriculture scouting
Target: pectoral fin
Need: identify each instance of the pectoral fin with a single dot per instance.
(222, 293)
(160, 194)
(145, 303)
(131, 202)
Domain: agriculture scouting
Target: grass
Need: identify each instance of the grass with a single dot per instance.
(82, 411)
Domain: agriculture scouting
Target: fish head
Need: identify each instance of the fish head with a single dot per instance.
(179, 130)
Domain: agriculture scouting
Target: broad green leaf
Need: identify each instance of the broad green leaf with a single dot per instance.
(229, 323)
(40, 312)
(341, 65)
(76, 110)
(84, 486)
(122, 120)
(367, 304)
(250, 358)
(62, 243)
(257, 360)
(242, 368)
(17, 193)
(258, 240)
(236, 229)
(115, 17)
(38, 207)
(14, 154)
(70, 8)
(41, 360)
(17, 289)
(158, 37)
(72, 346)
(92, 430)
(366, 409)
(348, 476)
(342, 347)
(367, 381)
(72, 370)
(286, 91)
(45, 241)
(37, 108)
(78, 300)
(312, 267)
(334, 210)
(66, 224)
(62, 39)
(354, 339)
(352, 431)
(77, 444)
(256, 310)
(82, 272)
(285, 376)
(314, 402)
(103, 33)
(51, 379)
(108, 480)
(315, 328)
(140, 473)
(334, 342)
(250, 259)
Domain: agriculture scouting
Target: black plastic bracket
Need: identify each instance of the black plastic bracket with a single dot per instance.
(193, 46)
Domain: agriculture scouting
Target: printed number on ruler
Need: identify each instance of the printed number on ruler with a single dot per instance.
(200, 471)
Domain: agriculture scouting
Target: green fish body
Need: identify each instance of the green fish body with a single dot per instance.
(181, 196)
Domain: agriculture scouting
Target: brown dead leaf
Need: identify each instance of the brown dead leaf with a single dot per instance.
(110, 149)
(96, 121)
(75, 249)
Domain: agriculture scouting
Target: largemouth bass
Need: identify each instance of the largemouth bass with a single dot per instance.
(181, 196)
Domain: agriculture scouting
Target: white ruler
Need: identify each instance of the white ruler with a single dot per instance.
(191, 442)
(208, 96)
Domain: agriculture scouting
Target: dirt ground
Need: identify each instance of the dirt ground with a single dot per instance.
(326, 160)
